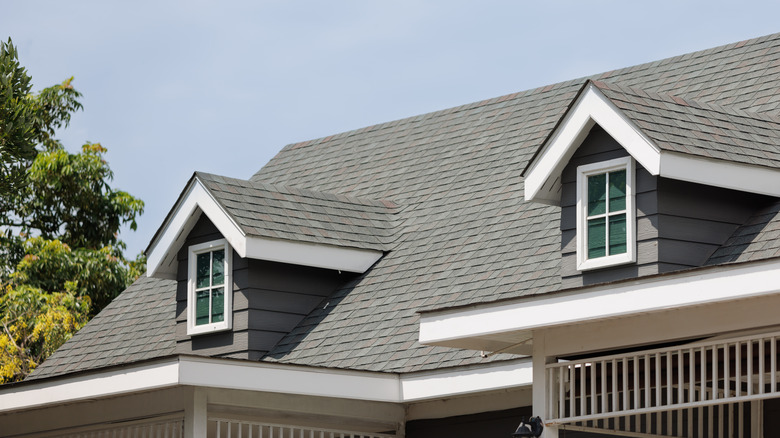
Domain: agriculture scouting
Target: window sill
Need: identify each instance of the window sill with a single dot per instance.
(606, 262)
(206, 329)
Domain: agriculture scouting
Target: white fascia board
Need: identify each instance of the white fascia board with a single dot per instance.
(254, 376)
(163, 250)
(542, 183)
(450, 383)
(312, 254)
(729, 175)
(723, 284)
(105, 384)
(277, 378)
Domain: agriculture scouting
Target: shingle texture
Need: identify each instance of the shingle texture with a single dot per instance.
(464, 234)
(302, 215)
(707, 130)
(138, 325)
(757, 239)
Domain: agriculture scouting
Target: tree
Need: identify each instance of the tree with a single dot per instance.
(27, 120)
(61, 259)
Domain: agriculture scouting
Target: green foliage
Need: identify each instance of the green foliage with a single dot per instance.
(68, 197)
(27, 120)
(61, 260)
(35, 323)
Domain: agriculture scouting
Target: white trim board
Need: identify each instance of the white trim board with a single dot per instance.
(267, 377)
(196, 199)
(479, 326)
(542, 181)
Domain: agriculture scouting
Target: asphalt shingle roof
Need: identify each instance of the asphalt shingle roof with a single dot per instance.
(302, 215)
(464, 234)
(707, 130)
(138, 325)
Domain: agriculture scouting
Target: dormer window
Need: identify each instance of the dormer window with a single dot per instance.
(209, 288)
(606, 214)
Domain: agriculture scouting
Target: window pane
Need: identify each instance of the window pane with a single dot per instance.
(617, 234)
(203, 270)
(617, 190)
(597, 233)
(202, 307)
(597, 188)
(218, 268)
(217, 305)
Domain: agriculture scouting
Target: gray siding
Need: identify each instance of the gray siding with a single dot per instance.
(599, 146)
(679, 224)
(269, 300)
(487, 424)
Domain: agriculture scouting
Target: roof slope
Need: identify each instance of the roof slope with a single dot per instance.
(464, 234)
(281, 212)
(468, 235)
(689, 127)
(138, 325)
(757, 239)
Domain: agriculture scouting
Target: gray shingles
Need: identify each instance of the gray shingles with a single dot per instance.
(463, 233)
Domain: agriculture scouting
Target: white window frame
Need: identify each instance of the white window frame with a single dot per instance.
(227, 323)
(583, 172)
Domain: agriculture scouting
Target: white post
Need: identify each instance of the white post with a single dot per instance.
(757, 418)
(196, 415)
(540, 392)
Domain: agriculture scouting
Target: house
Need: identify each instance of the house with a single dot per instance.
(603, 253)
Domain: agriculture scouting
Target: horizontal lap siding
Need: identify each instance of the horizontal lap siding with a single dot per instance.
(598, 146)
(679, 224)
(695, 220)
(487, 424)
(269, 300)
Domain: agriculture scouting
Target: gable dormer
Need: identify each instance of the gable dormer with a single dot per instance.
(251, 260)
(649, 183)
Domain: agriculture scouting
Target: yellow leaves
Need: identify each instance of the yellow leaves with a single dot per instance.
(95, 148)
(34, 324)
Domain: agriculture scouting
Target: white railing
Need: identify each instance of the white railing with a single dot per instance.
(229, 428)
(158, 429)
(676, 391)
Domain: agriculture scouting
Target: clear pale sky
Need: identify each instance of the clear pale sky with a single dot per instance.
(171, 87)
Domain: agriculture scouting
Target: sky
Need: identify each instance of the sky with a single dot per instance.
(171, 87)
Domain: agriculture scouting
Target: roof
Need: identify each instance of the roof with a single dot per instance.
(707, 130)
(138, 325)
(464, 234)
(302, 215)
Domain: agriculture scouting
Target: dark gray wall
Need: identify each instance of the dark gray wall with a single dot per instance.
(679, 224)
(599, 146)
(487, 424)
(269, 300)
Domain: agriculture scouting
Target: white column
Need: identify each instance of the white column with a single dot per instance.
(196, 415)
(757, 418)
(540, 391)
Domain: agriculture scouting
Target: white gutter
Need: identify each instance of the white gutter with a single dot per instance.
(268, 377)
(481, 324)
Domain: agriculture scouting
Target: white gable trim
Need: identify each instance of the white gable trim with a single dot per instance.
(267, 377)
(161, 258)
(543, 183)
(478, 326)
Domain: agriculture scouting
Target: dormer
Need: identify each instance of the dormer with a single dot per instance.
(650, 183)
(251, 260)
